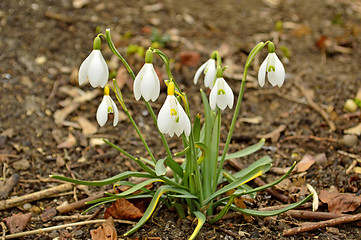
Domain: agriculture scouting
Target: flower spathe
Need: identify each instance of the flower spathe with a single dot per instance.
(172, 118)
(274, 69)
(221, 95)
(209, 69)
(146, 83)
(107, 106)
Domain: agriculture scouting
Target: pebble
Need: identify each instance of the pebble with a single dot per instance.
(350, 106)
(22, 164)
(27, 206)
(350, 140)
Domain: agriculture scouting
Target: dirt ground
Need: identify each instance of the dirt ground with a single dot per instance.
(43, 42)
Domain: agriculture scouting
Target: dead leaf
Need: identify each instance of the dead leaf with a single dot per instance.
(190, 58)
(61, 114)
(68, 143)
(275, 134)
(60, 161)
(123, 79)
(253, 120)
(123, 209)
(87, 126)
(17, 222)
(353, 183)
(106, 231)
(356, 130)
(340, 202)
(306, 162)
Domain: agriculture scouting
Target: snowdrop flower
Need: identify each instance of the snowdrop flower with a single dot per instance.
(273, 67)
(146, 83)
(209, 69)
(94, 67)
(107, 106)
(172, 118)
(221, 95)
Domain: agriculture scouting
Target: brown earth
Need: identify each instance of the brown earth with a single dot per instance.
(42, 44)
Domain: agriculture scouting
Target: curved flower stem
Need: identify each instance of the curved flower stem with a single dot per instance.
(249, 60)
(115, 51)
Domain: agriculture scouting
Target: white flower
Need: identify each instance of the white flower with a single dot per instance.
(146, 83)
(172, 118)
(276, 72)
(95, 69)
(107, 106)
(221, 95)
(210, 70)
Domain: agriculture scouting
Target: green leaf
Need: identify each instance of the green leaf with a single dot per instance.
(160, 169)
(245, 152)
(152, 205)
(271, 213)
(242, 192)
(264, 161)
(201, 220)
(107, 181)
(177, 169)
(98, 204)
(184, 196)
(145, 167)
(243, 187)
(224, 210)
(197, 127)
(147, 161)
(255, 172)
(136, 187)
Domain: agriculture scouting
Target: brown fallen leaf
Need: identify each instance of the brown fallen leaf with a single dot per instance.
(106, 231)
(190, 58)
(61, 114)
(340, 202)
(306, 162)
(87, 126)
(123, 209)
(356, 130)
(275, 134)
(17, 222)
(68, 143)
(123, 79)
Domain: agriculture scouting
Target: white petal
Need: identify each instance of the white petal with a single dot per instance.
(164, 117)
(210, 74)
(102, 112)
(115, 113)
(229, 95)
(213, 96)
(262, 72)
(184, 121)
(97, 73)
(137, 82)
(199, 71)
(106, 77)
(280, 72)
(83, 70)
(147, 83)
(156, 85)
(272, 76)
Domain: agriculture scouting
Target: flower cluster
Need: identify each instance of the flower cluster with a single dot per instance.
(172, 117)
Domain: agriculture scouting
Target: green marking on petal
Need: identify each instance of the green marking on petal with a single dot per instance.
(110, 109)
(173, 112)
(177, 120)
(271, 68)
(221, 91)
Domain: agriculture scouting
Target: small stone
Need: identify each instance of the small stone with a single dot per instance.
(22, 164)
(350, 106)
(40, 60)
(27, 206)
(350, 140)
(96, 142)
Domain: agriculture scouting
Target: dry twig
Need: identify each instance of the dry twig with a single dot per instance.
(323, 224)
(9, 203)
(49, 229)
(9, 185)
(312, 104)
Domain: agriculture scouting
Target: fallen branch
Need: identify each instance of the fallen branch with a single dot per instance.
(49, 229)
(9, 203)
(312, 104)
(309, 137)
(9, 185)
(323, 224)
(271, 191)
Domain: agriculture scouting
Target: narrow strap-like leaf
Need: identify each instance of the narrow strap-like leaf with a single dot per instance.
(201, 220)
(245, 152)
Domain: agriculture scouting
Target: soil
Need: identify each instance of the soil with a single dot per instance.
(42, 44)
